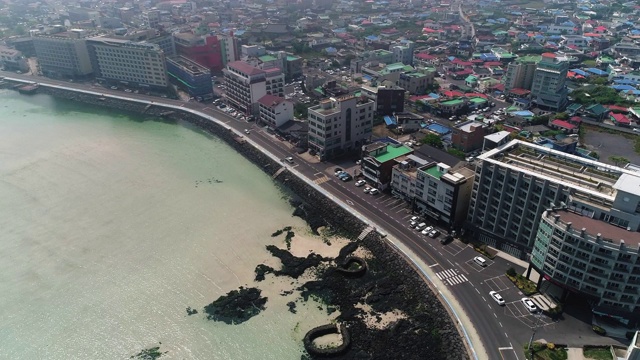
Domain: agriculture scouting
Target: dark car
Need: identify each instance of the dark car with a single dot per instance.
(447, 239)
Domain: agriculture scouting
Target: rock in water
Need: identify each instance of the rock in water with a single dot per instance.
(237, 306)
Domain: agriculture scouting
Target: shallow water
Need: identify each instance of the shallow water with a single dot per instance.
(112, 226)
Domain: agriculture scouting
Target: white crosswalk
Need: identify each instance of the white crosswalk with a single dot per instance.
(451, 277)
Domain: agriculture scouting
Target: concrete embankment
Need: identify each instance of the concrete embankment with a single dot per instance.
(322, 205)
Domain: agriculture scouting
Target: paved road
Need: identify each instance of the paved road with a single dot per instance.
(502, 330)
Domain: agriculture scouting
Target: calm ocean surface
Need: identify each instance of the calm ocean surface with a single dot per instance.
(111, 226)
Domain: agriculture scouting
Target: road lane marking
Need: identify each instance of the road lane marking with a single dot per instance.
(500, 323)
(436, 264)
(496, 316)
(477, 291)
(349, 202)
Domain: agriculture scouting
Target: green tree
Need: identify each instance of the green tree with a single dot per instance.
(618, 160)
(358, 80)
(301, 111)
(433, 140)
(562, 116)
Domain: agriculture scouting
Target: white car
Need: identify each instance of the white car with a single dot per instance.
(496, 297)
(427, 230)
(414, 218)
(434, 234)
(421, 226)
(360, 183)
(529, 305)
(374, 191)
(367, 189)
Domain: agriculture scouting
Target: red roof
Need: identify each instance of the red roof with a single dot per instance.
(245, 68)
(575, 119)
(469, 95)
(563, 124)
(616, 108)
(620, 119)
(428, 30)
(519, 91)
(492, 63)
(452, 93)
(549, 55)
(271, 100)
(424, 56)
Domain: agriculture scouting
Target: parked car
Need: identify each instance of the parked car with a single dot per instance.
(114, 88)
(247, 131)
(434, 234)
(496, 297)
(414, 218)
(346, 177)
(289, 159)
(367, 189)
(360, 183)
(480, 261)
(529, 304)
(447, 239)
(374, 191)
(421, 226)
(427, 230)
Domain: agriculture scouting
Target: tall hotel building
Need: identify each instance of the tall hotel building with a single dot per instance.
(548, 89)
(578, 218)
(137, 64)
(246, 84)
(340, 124)
(63, 54)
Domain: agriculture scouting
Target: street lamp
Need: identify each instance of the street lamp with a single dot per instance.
(535, 328)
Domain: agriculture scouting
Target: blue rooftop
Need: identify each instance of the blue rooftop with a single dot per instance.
(579, 72)
(596, 71)
(623, 87)
(440, 129)
(390, 120)
(523, 113)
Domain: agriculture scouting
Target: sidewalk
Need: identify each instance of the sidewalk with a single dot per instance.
(514, 260)
(575, 354)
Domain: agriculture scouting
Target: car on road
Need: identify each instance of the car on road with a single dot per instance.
(360, 183)
(374, 191)
(128, 90)
(114, 88)
(529, 305)
(496, 297)
(289, 159)
(367, 189)
(346, 177)
(247, 131)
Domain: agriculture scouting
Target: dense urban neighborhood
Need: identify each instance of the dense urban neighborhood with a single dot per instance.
(508, 131)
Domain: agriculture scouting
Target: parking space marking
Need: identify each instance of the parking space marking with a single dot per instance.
(321, 180)
(499, 283)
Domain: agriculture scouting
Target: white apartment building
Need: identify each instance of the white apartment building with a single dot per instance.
(229, 49)
(247, 84)
(516, 182)
(434, 189)
(275, 110)
(129, 63)
(340, 124)
(63, 55)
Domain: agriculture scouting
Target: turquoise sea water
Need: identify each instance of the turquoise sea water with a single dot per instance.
(113, 225)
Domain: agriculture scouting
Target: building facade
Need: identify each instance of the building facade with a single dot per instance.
(275, 111)
(516, 182)
(416, 82)
(205, 50)
(246, 84)
(434, 189)
(388, 99)
(13, 60)
(593, 258)
(469, 135)
(136, 64)
(190, 77)
(520, 73)
(378, 160)
(548, 89)
(339, 125)
(63, 55)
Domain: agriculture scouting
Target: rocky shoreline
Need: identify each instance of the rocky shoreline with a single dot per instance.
(388, 284)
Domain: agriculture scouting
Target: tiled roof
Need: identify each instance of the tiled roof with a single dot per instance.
(245, 68)
(270, 100)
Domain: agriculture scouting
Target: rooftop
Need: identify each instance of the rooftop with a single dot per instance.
(392, 152)
(595, 227)
(592, 179)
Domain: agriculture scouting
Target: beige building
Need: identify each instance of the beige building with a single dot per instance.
(63, 54)
(519, 74)
(246, 84)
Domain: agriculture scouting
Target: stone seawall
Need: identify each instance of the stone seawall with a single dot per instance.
(319, 206)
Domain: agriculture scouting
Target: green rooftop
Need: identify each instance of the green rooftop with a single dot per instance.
(478, 100)
(529, 59)
(434, 171)
(292, 58)
(392, 153)
(452, 102)
(267, 58)
(395, 66)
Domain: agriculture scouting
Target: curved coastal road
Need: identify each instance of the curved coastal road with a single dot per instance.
(466, 296)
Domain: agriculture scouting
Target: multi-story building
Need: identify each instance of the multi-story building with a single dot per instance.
(230, 49)
(191, 77)
(293, 67)
(403, 52)
(275, 111)
(206, 50)
(151, 18)
(63, 55)
(11, 59)
(516, 182)
(548, 89)
(581, 251)
(339, 125)
(378, 160)
(520, 73)
(388, 99)
(416, 82)
(246, 84)
(381, 56)
(469, 135)
(136, 64)
(161, 38)
(434, 189)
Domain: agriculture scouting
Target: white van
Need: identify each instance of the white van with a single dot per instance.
(480, 261)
